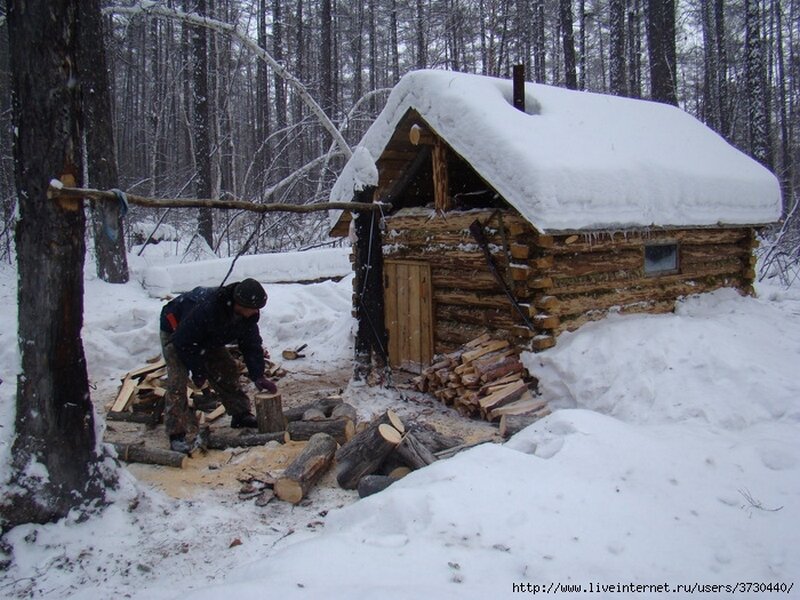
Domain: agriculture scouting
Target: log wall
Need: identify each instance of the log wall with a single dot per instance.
(564, 280)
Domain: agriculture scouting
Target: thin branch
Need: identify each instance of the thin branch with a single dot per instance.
(56, 192)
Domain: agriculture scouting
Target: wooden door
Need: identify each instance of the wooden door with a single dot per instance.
(409, 314)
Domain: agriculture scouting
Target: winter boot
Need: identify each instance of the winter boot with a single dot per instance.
(244, 420)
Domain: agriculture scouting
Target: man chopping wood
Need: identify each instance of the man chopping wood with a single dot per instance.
(195, 328)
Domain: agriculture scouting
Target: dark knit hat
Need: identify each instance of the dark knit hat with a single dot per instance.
(250, 294)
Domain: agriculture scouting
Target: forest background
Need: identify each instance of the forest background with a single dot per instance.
(197, 113)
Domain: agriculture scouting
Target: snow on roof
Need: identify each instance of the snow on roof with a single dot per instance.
(579, 160)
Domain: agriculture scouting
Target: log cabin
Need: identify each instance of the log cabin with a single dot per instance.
(525, 211)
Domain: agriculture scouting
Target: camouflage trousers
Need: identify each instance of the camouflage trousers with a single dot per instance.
(223, 377)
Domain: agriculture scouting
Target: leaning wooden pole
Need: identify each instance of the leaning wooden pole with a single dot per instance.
(66, 194)
(371, 338)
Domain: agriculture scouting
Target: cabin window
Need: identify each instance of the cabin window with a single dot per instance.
(660, 259)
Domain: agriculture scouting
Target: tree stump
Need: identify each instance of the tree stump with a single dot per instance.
(301, 475)
(269, 413)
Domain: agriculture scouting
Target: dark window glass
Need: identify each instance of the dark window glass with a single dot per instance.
(660, 258)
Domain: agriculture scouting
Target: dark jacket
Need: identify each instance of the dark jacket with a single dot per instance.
(204, 319)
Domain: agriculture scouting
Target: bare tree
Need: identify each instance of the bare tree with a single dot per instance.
(618, 83)
(661, 50)
(101, 157)
(568, 43)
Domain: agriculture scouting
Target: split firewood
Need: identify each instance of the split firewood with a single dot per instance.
(363, 454)
(341, 429)
(513, 424)
(305, 470)
(525, 404)
(269, 413)
(505, 395)
(138, 453)
(372, 484)
(219, 440)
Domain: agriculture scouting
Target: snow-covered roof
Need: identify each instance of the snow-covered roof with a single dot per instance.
(578, 160)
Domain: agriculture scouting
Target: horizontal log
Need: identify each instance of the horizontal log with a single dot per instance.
(59, 192)
(218, 440)
(607, 241)
(148, 418)
(571, 265)
(138, 453)
(341, 429)
(477, 279)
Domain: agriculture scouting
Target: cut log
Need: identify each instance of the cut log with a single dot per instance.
(269, 413)
(313, 414)
(134, 417)
(363, 454)
(372, 484)
(219, 441)
(138, 453)
(326, 405)
(346, 411)
(413, 453)
(305, 470)
(513, 424)
(341, 429)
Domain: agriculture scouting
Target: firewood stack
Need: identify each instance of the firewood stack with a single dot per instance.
(483, 379)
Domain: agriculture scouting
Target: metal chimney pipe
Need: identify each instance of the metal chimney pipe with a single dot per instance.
(519, 87)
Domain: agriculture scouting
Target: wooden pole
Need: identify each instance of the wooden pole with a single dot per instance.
(59, 192)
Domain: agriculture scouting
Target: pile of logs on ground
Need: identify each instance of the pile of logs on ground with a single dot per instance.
(484, 378)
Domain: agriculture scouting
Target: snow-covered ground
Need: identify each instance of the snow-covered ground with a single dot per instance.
(672, 458)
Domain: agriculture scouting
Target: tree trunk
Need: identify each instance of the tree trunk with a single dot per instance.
(661, 50)
(55, 464)
(202, 142)
(109, 238)
(758, 122)
(568, 43)
(618, 83)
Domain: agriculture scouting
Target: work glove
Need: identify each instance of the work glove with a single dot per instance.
(265, 384)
